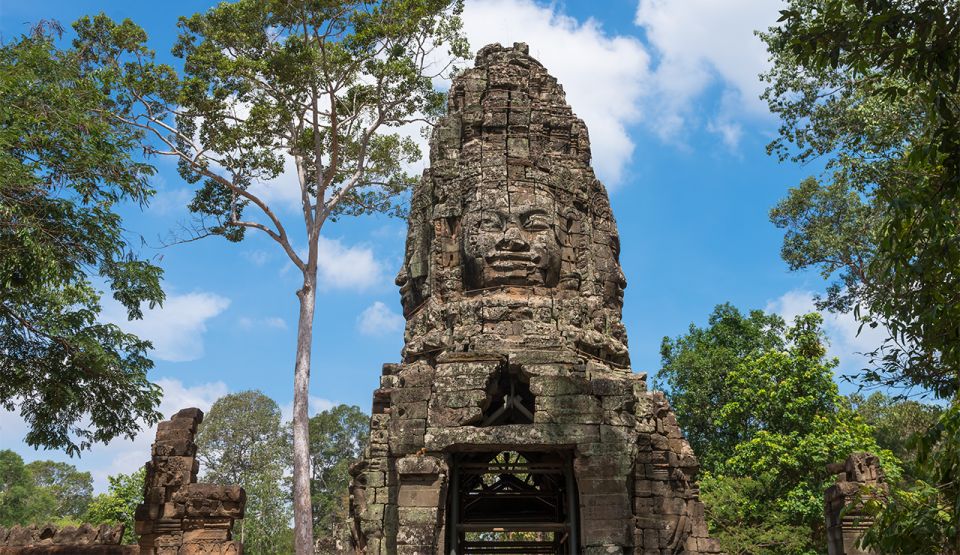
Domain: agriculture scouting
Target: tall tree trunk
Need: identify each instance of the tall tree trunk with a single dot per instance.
(302, 507)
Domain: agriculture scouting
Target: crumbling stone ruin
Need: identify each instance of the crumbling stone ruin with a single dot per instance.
(178, 516)
(859, 477)
(514, 423)
(47, 539)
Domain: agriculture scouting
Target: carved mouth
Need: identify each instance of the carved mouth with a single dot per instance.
(512, 259)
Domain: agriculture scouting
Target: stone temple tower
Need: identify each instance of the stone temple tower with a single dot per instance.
(514, 423)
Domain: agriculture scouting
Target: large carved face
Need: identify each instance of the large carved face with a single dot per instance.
(511, 239)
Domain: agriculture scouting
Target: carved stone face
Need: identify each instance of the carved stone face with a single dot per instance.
(512, 240)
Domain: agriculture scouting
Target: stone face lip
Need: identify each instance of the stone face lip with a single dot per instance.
(514, 346)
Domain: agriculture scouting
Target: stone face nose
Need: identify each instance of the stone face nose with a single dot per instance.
(513, 240)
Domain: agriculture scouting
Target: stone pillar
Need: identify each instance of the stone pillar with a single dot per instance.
(178, 516)
(859, 477)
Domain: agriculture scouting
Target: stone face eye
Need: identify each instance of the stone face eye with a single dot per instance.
(491, 222)
(536, 220)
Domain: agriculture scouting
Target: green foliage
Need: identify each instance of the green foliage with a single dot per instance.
(265, 82)
(70, 489)
(740, 521)
(63, 169)
(17, 491)
(267, 79)
(119, 504)
(42, 491)
(872, 88)
(337, 439)
(924, 515)
(695, 367)
(896, 422)
(770, 420)
(241, 441)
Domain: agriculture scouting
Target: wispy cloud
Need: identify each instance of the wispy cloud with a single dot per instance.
(177, 328)
(274, 322)
(315, 405)
(378, 319)
(701, 46)
(347, 267)
(847, 341)
(257, 257)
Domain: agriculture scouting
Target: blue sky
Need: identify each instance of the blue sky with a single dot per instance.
(669, 91)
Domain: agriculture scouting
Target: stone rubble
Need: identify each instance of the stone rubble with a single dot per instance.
(103, 539)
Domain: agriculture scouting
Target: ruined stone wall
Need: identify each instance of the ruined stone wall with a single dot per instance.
(47, 539)
(513, 293)
(178, 516)
(858, 478)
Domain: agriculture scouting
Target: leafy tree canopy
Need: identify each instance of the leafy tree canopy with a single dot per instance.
(337, 439)
(42, 491)
(17, 491)
(872, 88)
(318, 86)
(740, 521)
(242, 441)
(119, 504)
(70, 489)
(896, 423)
(63, 170)
(922, 516)
(694, 371)
(777, 421)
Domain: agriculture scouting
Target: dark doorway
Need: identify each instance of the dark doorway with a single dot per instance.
(512, 502)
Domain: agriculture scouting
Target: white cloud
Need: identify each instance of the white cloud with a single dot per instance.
(603, 75)
(283, 191)
(121, 455)
(248, 323)
(378, 319)
(728, 131)
(171, 201)
(343, 267)
(257, 257)
(176, 329)
(701, 44)
(841, 329)
(315, 405)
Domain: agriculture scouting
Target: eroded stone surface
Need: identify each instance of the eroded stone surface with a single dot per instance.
(43, 539)
(178, 516)
(858, 478)
(513, 292)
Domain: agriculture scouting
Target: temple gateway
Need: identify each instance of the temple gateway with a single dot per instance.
(514, 423)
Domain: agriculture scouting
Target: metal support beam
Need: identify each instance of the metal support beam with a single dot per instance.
(453, 533)
(572, 508)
